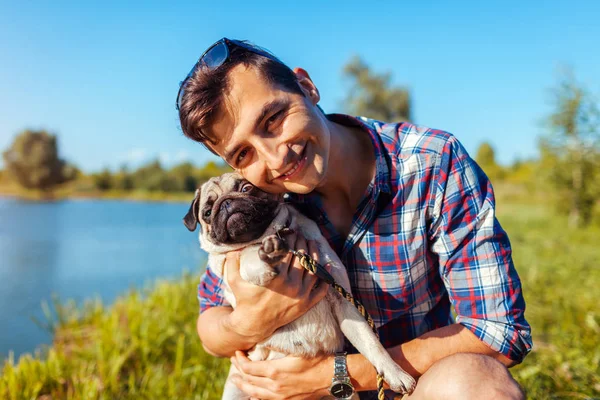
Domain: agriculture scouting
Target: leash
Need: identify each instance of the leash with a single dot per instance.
(311, 265)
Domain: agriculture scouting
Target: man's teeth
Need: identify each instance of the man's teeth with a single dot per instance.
(293, 169)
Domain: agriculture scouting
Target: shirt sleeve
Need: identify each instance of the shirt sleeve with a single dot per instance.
(210, 291)
(475, 257)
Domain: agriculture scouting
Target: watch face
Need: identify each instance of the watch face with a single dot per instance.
(341, 390)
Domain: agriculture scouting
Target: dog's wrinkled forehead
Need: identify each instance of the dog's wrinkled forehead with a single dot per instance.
(207, 195)
(217, 186)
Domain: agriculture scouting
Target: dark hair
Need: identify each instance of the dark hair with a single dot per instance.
(203, 92)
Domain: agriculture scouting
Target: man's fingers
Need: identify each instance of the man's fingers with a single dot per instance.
(288, 260)
(262, 382)
(251, 390)
(232, 266)
(310, 280)
(254, 368)
(301, 245)
(296, 270)
(313, 249)
(318, 292)
(291, 240)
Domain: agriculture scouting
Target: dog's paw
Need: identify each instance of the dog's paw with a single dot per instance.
(398, 379)
(272, 250)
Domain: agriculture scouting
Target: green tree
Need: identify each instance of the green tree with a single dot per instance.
(184, 177)
(523, 173)
(123, 179)
(32, 160)
(372, 95)
(486, 158)
(571, 150)
(211, 169)
(152, 177)
(104, 180)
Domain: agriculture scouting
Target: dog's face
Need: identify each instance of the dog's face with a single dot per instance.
(231, 210)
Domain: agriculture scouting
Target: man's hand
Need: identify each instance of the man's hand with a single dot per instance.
(261, 310)
(286, 378)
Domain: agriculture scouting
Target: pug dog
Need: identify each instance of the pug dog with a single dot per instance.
(235, 215)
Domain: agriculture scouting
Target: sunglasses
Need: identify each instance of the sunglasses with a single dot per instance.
(217, 55)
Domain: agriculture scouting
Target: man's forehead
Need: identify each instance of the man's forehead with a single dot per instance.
(246, 95)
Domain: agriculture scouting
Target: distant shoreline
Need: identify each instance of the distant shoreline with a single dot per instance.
(135, 196)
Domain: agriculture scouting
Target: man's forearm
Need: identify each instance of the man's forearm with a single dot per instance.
(418, 355)
(218, 334)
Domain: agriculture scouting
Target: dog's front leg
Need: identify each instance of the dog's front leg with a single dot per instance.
(257, 263)
(360, 334)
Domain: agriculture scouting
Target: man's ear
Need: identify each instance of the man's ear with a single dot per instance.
(191, 218)
(307, 85)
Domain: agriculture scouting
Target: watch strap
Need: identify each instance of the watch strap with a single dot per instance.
(340, 368)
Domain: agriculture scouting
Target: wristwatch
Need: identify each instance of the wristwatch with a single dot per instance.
(341, 387)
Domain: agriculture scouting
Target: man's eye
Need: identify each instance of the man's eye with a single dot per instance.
(246, 188)
(242, 155)
(273, 118)
(207, 213)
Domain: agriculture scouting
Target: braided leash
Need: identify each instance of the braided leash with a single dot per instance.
(311, 265)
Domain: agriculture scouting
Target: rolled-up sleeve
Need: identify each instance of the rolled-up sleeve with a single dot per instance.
(210, 292)
(475, 257)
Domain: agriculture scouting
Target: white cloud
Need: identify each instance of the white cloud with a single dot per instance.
(164, 158)
(135, 156)
(168, 159)
(181, 156)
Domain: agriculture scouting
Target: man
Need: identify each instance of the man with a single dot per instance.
(407, 210)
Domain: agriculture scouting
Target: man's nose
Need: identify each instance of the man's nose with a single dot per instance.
(273, 154)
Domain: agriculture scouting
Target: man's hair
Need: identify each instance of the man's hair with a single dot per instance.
(202, 95)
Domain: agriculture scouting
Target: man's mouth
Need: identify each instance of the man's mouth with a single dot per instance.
(297, 166)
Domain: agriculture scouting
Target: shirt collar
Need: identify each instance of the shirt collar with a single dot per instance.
(382, 180)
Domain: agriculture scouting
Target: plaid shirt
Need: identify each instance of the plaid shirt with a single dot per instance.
(424, 237)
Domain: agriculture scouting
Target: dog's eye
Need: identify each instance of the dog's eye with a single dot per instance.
(246, 188)
(207, 213)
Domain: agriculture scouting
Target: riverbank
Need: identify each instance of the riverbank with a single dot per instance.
(73, 191)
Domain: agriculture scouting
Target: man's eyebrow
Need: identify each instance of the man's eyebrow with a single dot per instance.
(266, 110)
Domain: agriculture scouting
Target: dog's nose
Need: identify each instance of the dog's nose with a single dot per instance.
(225, 204)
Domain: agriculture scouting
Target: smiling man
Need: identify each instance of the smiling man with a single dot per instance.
(410, 214)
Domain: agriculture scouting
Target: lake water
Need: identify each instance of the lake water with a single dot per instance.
(80, 249)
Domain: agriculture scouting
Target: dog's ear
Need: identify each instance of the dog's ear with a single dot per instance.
(191, 218)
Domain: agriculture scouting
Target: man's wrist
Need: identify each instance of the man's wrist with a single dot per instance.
(341, 386)
(325, 376)
(362, 374)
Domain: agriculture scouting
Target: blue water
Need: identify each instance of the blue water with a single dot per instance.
(82, 249)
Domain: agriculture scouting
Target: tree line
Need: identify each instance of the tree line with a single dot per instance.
(185, 177)
(33, 162)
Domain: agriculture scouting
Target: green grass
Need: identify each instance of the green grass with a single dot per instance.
(145, 345)
(561, 278)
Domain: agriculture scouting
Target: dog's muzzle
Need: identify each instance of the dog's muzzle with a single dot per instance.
(241, 219)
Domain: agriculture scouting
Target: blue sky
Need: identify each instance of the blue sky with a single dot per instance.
(104, 75)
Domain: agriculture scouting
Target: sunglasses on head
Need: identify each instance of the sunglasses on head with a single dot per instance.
(217, 55)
